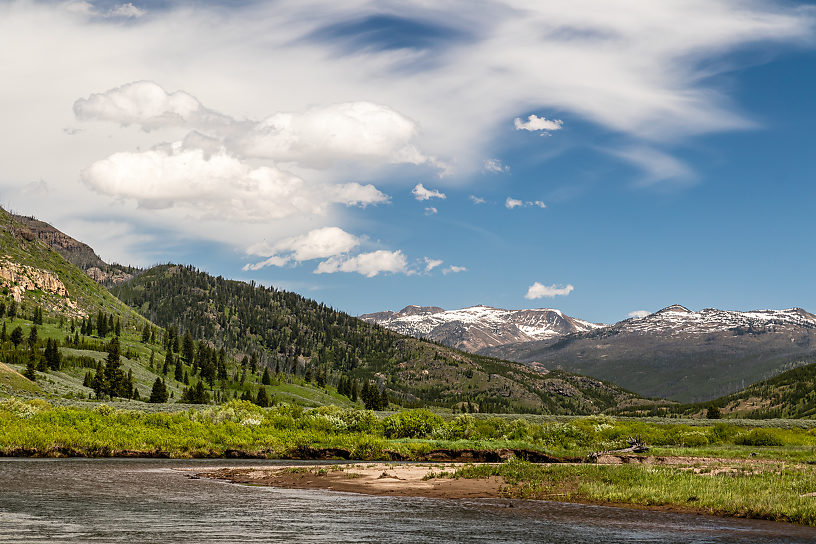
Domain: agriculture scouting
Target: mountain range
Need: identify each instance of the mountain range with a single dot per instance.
(674, 353)
(479, 327)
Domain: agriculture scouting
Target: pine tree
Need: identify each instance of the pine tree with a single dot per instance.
(266, 380)
(146, 334)
(383, 400)
(32, 337)
(29, 372)
(114, 376)
(3, 334)
(188, 348)
(12, 310)
(179, 372)
(355, 390)
(117, 327)
(196, 394)
(262, 399)
(101, 324)
(159, 392)
(52, 354)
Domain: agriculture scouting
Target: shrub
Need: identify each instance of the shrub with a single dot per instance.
(758, 437)
(411, 424)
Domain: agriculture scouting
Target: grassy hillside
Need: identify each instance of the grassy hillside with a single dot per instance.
(19, 246)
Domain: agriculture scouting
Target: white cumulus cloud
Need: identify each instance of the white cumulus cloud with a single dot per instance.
(146, 104)
(218, 185)
(538, 290)
(421, 193)
(431, 211)
(534, 123)
(367, 264)
(320, 136)
(315, 244)
(639, 314)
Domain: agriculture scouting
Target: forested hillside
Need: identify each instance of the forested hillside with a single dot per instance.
(294, 335)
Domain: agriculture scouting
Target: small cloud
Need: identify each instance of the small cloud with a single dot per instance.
(452, 269)
(367, 264)
(535, 123)
(638, 314)
(477, 200)
(495, 165)
(430, 264)
(511, 203)
(421, 193)
(431, 211)
(538, 290)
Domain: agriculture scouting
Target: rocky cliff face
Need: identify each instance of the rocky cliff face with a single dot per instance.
(20, 279)
(77, 253)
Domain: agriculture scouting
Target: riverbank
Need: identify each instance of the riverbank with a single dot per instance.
(769, 490)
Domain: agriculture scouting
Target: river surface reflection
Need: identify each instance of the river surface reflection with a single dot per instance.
(135, 501)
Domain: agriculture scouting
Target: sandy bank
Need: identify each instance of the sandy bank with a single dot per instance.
(412, 480)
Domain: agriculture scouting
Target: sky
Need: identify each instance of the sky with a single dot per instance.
(606, 158)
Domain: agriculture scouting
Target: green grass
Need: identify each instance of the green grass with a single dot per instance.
(774, 492)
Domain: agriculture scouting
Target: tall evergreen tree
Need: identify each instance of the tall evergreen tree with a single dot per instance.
(101, 324)
(159, 392)
(3, 333)
(52, 354)
(188, 348)
(266, 380)
(179, 373)
(115, 380)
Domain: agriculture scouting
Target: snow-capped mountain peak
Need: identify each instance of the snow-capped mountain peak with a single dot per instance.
(480, 326)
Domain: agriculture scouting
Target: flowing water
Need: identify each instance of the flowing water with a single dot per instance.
(135, 501)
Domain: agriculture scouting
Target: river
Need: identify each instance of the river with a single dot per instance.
(139, 500)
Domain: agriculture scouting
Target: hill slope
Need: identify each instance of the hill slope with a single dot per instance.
(679, 354)
(478, 327)
(292, 333)
(31, 272)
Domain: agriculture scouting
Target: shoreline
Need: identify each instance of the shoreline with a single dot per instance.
(437, 481)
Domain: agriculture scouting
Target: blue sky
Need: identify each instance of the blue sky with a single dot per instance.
(601, 158)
